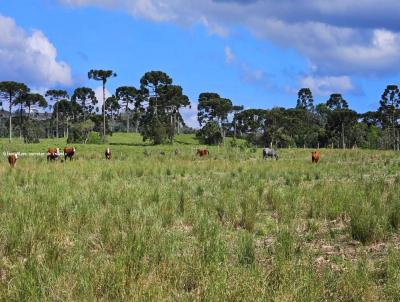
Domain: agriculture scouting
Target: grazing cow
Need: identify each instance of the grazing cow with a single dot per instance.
(12, 159)
(53, 154)
(202, 152)
(68, 152)
(107, 153)
(315, 156)
(268, 152)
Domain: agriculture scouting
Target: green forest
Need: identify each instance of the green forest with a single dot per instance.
(153, 108)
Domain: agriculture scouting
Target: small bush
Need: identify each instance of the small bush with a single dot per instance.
(79, 132)
(94, 138)
(210, 134)
(233, 143)
(31, 132)
(199, 190)
(154, 129)
(75, 136)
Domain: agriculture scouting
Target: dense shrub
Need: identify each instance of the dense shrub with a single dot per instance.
(31, 132)
(94, 138)
(210, 134)
(155, 131)
(79, 133)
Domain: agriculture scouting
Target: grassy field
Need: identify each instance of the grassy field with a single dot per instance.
(230, 227)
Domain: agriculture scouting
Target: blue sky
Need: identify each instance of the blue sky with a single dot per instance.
(258, 53)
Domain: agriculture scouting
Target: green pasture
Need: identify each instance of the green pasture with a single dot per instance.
(152, 226)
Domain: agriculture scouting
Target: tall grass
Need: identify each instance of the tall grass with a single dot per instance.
(228, 227)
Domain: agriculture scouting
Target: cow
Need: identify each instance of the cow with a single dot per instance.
(202, 152)
(268, 152)
(177, 152)
(315, 156)
(53, 154)
(12, 159)
(107, 153)
(68, 152)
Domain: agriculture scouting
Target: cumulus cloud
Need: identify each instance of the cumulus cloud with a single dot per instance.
(338, 51)
(29, 57)
(98, 91)
(189, 115)
(338, 37)
(324, 86)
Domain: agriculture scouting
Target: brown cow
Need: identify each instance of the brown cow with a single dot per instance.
(107, 153)
(202, 152)
(12, 159)
(68, 152)
(53, 154)
(315, 156)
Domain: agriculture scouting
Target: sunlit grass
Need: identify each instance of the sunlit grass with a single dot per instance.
(229, 227)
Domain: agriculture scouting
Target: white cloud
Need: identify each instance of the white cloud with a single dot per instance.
(229, 55)
(214, 28)
(98, 91)
(324, 86)
(334, 50)
(189, 115)
(29, 58)
(337, 37)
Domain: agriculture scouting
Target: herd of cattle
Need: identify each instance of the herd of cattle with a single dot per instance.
(54, 154)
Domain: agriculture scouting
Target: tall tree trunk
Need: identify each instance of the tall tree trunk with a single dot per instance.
(104, 110)
(67, 127)
(234, 135)
(10, 107)
(393, 132)
(176, 124)
(398, 140)
(172, 128)
(127, 118)
(222, 131)
(20, 121)
(112, 121)
(343, 143)
(57, 122)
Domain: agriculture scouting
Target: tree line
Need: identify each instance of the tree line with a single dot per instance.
(153, 110)
(330, 124)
